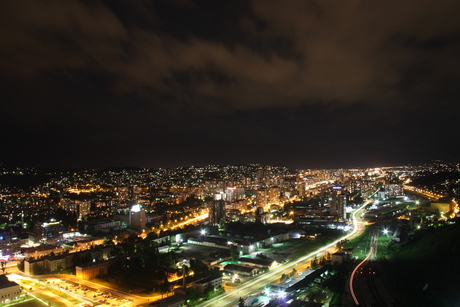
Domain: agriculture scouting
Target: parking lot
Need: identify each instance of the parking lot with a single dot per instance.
(96, 296)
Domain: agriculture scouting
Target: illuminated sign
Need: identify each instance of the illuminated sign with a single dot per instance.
(337, 188)
(232, 188)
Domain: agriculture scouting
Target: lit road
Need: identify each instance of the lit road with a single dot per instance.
(191, 221)
(258, 283)
(425, 193)
(40, 288)
(365, 285)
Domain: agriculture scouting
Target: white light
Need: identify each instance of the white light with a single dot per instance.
(203, 231)
(136, 208)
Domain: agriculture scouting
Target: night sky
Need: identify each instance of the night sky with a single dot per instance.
(303, 84)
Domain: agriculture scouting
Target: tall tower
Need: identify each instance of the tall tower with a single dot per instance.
(337, 202)
(216, 212)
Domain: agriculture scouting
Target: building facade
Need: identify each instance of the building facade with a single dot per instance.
(9, 290)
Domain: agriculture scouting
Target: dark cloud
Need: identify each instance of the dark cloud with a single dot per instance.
(309, 83)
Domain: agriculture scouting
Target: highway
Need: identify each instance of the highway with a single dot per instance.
(257, 284)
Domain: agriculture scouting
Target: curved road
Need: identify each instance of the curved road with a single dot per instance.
(365, 285)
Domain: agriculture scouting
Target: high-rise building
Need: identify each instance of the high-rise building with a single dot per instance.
(381, 193)
(261, 197)
(216, 211)
(274, 195)
(301, 188)
(261, 175)
(137, 216)
(80, 207)
(337, 202)
(83, 209)
(231, 193)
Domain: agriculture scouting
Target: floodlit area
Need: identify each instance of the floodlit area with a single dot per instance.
(67, 292)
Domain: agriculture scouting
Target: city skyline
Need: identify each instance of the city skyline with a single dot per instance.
(166, 84)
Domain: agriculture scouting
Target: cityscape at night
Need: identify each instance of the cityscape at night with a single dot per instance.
(251, 153)
(234, 235)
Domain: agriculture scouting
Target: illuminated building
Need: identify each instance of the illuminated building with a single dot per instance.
(232, 269)
(205, 283)
(274, 195)
(84, 208)
(343, 256)
(9, 290)
(54, 263)
(393, 189)
(261, 197)
(137, 216)
(301, 188)
(216, 211)
(337, 202)
(48, 232)
(231, 191)
(80, 207)
(381, 193)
